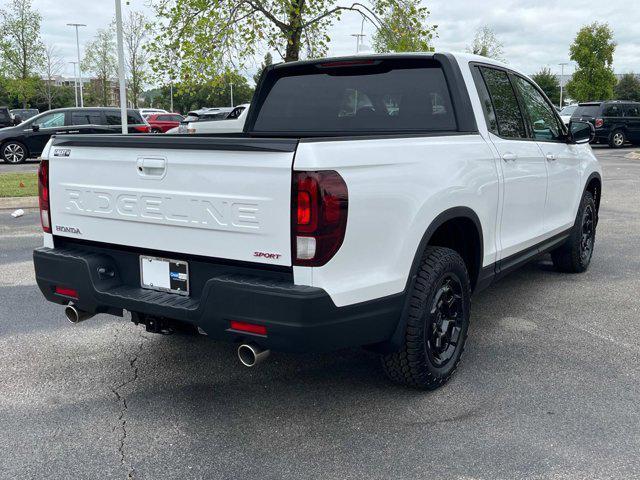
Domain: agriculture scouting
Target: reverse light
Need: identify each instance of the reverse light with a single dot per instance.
(67, 292)
(599, 122)
(43, 195)
(319, 216)
(248, 327)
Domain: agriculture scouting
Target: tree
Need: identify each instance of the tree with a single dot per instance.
(486, 43)
(53, 66)
(549, 84)
(209, 36)
(135, 35)
(215, 93)
(628, 87)
(100, 60)
(268, 60)
(593, 50)
(21, 50)
(403, 29)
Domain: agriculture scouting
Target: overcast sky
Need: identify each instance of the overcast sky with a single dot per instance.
(535, 33)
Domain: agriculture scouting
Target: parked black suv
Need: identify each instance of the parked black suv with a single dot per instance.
(5, 117)
(616, 121)
(29, 138)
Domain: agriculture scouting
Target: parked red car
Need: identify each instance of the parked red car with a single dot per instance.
(161, 122)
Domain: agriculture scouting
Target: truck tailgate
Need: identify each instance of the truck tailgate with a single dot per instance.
(216, 197)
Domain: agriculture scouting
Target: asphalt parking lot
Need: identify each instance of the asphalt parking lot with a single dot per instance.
(549, 386)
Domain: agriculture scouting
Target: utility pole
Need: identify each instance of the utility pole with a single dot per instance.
(562, 80)
(231, 85)
(76, 25)
(123, 87)
(75, 81)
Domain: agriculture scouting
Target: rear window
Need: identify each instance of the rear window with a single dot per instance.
(4, 114)
(586, 111)
(383, 96)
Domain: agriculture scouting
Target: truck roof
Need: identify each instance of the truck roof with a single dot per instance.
(460, 56)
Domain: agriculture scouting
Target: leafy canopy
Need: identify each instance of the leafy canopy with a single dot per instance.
(21, 49)
(628, 87)
(549, 84)
(403, 29)
(200, 39)
(486, 43)
(593, 50)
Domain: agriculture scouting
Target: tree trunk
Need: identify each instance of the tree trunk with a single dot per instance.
(294, 32)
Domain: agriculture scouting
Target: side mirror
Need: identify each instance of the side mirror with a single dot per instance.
(581, 132)
(17, 120)
(35, 127)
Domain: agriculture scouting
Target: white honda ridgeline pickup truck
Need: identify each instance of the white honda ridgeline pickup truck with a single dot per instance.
(366, 200)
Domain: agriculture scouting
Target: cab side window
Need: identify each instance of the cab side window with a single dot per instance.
(509, 118)
(544, 122)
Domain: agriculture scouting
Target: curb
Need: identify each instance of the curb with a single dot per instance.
(13, 203)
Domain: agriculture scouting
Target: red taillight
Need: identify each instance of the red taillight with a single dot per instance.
(249, 327)
(67, 292)
(320, 204)
(142, 128)
(599, 122)
(43, 195)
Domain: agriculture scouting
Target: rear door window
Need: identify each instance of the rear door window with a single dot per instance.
(612, 111)
(505, 104)
(83, 117)
(378, 96)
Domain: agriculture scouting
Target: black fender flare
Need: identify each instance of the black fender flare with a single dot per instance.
(395, 341)
(597, 176)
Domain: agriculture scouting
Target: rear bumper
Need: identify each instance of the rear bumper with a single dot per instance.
(297, 318)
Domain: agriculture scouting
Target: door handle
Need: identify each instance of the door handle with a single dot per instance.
(509, 157)
(152, 167)
(551, 157)
(74, 131)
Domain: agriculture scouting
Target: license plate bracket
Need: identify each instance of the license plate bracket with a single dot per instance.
(164, 274)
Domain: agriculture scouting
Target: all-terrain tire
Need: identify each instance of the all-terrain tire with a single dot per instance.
(417, 364)
(574, 256)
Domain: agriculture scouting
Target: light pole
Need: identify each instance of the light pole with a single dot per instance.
(123, 87)
(359, 37)
(231, 85)
(75, 81)
(76, 25)
(171, 94)
(562, 80)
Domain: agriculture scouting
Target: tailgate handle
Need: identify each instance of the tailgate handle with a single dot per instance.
(152, 167)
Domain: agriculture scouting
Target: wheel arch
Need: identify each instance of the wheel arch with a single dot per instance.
(447, 221)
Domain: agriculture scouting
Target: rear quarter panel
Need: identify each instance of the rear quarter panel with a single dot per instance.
(397, 187)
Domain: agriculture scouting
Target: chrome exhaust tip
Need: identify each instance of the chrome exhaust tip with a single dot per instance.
(251, 355)
(75, 315)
